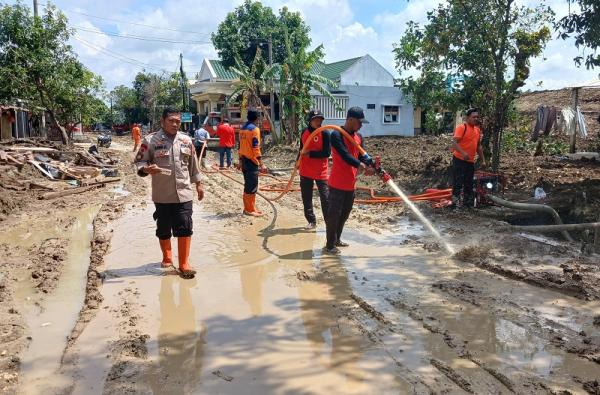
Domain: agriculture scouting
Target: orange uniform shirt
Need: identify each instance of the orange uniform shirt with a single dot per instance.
(250, 143)
(468, 139)
(136, 133)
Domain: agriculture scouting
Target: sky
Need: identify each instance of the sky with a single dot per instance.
(346, 28)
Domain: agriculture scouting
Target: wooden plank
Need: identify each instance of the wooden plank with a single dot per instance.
(72, 191)
(15, 161)
(40, 168)
(31, 149)
(575, 100)
(40, 186)
(107, 181)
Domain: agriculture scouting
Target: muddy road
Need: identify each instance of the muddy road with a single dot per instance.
(268, 313)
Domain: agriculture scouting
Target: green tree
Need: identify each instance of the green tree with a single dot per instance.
(251, 82)
(585, 27)
(144, 101)
(38, 66)
(489, 43)
(126, 105)
(250, 25)
(297, 75)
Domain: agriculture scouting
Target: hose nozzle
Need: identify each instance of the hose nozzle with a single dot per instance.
(385, 177)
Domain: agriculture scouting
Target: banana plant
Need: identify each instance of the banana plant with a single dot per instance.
(296, 76)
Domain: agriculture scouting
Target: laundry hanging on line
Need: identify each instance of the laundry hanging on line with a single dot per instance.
(545, 121)
(571, 120)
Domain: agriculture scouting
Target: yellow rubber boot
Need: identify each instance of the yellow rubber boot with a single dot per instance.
(167, 252)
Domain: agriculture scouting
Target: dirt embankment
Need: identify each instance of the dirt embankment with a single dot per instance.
(34, 236)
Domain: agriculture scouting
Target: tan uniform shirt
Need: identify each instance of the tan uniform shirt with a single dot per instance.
(173, 153)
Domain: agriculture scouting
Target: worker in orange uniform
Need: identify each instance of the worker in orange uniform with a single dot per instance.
(314, 166)
(347, 161)
(467, 143)
(168, 156)
(250, 162)
(136, 134)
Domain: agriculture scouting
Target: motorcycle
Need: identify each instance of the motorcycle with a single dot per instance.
(104, 140)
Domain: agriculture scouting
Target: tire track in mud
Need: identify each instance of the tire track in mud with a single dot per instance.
(557, 334)
(526, 381)
(429, 323)
(386, 325)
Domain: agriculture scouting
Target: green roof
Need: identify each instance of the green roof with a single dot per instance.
(222, 72)
(333, 71)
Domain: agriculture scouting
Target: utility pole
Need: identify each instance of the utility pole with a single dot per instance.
(111, 112)
(183, 88)
(35, 8)
(183, 82)
(271, 95)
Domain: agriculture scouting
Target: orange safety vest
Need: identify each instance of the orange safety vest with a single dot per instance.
(250, 143)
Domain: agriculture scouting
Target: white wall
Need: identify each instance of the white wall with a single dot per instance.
(367, 72)
(205, 73)
(362, 96)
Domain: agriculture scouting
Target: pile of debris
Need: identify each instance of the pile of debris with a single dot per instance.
(82, 170)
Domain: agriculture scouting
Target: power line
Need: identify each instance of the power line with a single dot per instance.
(138, 24)
(133, 23)
(116, 53)
(142, 38)
(120, 57)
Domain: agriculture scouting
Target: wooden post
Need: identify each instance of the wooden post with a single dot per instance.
(597, 239)
(575, 103)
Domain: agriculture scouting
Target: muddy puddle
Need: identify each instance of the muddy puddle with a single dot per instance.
(50, 320)
(268, 313)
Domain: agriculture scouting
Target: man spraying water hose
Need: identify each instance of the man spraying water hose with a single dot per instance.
(314, 166)
(169, 157)
(347, 161)
(250, 162)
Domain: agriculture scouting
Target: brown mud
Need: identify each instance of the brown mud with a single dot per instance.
(44, 245)
(269, 313)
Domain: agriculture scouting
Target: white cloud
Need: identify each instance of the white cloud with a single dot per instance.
(334, 23)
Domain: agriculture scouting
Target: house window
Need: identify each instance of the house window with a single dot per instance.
(391, 114)
(370, 106)
(328, 107)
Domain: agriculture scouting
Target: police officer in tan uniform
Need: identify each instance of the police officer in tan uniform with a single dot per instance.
(169, 157)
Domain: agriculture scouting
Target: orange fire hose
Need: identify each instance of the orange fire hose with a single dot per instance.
(438, 197)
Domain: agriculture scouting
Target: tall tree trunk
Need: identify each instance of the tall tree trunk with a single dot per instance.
(273, 131)
(63, 133)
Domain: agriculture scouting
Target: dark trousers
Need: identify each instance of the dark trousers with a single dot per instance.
(250, 171)
(222, 153)
(173, 218)
(338, 211)
(463, 173)
(306, 189)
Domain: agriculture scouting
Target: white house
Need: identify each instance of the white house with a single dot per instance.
(361, 82)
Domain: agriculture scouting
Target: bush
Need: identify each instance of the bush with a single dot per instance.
(517, 138)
